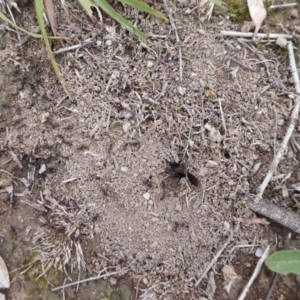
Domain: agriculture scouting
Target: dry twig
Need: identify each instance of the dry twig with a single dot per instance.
(259, 35)
(85, 280)
(254, 275)
(218, 254)
(278, 214)
(168, 12)
(291, 127)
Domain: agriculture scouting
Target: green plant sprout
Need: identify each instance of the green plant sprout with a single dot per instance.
(284, 262)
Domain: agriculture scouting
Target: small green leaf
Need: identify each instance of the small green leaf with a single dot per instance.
(284, 262)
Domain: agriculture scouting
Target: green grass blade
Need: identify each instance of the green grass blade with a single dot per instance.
(39, 6)
(126, 24)
(86, 4)
(218, 2)
(145, 8)
(35, 35)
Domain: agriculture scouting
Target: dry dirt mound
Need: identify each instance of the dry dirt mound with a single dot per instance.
(141, 170)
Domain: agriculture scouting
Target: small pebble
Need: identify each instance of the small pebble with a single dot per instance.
(124, 169)
(178, 207)
(259, 252)
(294, 13)
(150, 64)
(146, 196)
(211, 164)
(47, 192)
(113, 281)
(181, 90)
(281, 42)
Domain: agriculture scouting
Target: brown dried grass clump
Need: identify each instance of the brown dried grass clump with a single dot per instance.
(60, 240)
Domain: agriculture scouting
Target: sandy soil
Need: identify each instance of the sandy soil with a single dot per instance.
(142, 172)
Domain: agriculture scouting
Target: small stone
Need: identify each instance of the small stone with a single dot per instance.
(42, 169)
(126, 125)
(259, 252)
(124, 169)
(150, 202)
(215, 135)
(113, 281)
(281, 42)
(145, 281)
(150, 64)
(146, 196)
(181, 90)
(226, 226)
(44, 117)
(178, 207)
(211, 164)
(46, 192)
(294, 13)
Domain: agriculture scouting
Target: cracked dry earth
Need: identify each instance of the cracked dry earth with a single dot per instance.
(141, 172)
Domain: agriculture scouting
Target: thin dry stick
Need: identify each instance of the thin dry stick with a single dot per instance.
(285, 5)
(259, 35)
(74, 47)
(222, 116)
(13, 19)
(139, 277)
(254, 275)
(168, 11)
(218, 254)
(85, 280)
(291, 127)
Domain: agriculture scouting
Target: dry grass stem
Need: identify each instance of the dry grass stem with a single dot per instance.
(87, 280)
(213, 261)
(293, 121)
(74, 47)
(259, 35)
(168, 12)
(255, 274)
(285, 5)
